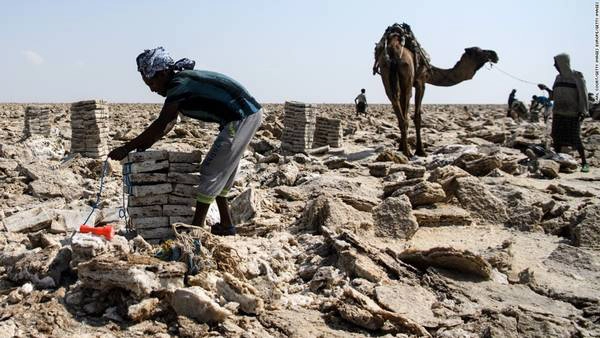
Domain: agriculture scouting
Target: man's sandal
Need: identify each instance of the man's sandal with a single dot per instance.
(585, 168)
(219, 230)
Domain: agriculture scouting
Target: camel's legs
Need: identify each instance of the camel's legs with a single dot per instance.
(419, 92)
(406, 80)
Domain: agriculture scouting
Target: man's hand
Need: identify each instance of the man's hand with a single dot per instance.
(118, 153)
(542, 86)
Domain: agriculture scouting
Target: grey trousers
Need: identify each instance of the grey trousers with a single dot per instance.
(220, 165)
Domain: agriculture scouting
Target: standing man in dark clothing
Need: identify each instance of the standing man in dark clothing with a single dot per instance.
(511, 99)
(361, 103)
(570, 107)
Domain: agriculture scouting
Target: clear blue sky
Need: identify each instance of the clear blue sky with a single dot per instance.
(312, 50)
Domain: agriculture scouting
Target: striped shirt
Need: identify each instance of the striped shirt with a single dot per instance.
(210, 97)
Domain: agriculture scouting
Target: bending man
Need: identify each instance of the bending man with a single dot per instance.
(205, 96)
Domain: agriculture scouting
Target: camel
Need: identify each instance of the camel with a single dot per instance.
(402, 68)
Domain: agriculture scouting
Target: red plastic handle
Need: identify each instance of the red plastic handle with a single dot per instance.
(107, 231)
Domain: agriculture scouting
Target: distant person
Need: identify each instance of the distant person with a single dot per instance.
(205, 96)
(511, 99)
(570, 107)
(518, 111)
(361, 103)
(539, 104)
(546, 106)
(535, 108)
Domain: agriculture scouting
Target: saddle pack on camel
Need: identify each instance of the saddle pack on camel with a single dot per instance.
(408, 40)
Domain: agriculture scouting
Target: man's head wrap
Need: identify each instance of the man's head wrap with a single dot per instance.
(155, 60)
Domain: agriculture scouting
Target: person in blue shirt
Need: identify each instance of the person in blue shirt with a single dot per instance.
(206, 96)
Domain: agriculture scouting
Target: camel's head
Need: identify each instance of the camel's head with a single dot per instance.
(481, 56)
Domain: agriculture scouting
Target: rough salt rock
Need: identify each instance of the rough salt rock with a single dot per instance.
(246, 206)
(338, 163)
(141, 275)
(364, 312)
(446, 176)
(394, 218)
(324, 277)
(548, 168)
(390, 188)
(448, 258)
(423, 193)
(286, 175)
(391, 156)
(42, 267)
(411, 171)
(442, 215)
(86, 247)
(381, 169)
(234, 290)
(413, 301)
(586, 230)
(357, 265)
(483, 166)
(195, 303)
(475, 197)
(143, 310)
(333, 213)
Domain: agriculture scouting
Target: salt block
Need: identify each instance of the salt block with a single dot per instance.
(147, 190)
(143, 156)
(28, 221)
(181, 200)
(176, 177)
(177, 210)
(134, 201)
(184, 167)
(185, 157)
(142, 178)
(144, 167)
(157, 233)
(149, 222)
(147, 211)
(181, 219)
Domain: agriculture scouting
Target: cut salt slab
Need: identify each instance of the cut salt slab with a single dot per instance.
(185, 157)
(28, 221)
(178, 210)
(147, 190)
(147, 211)
(143, 178)
(134, 201)
(149, 222)
(146, 166)
(184, 167)
(142, 156)
(157, 233)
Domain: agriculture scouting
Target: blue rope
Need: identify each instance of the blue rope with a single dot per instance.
(95, 205)
(127, 183)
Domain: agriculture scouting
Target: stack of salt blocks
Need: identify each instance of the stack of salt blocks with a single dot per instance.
(299, 126)
(37, 121)
(89, 128)
(161, 188)
(328, 132)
